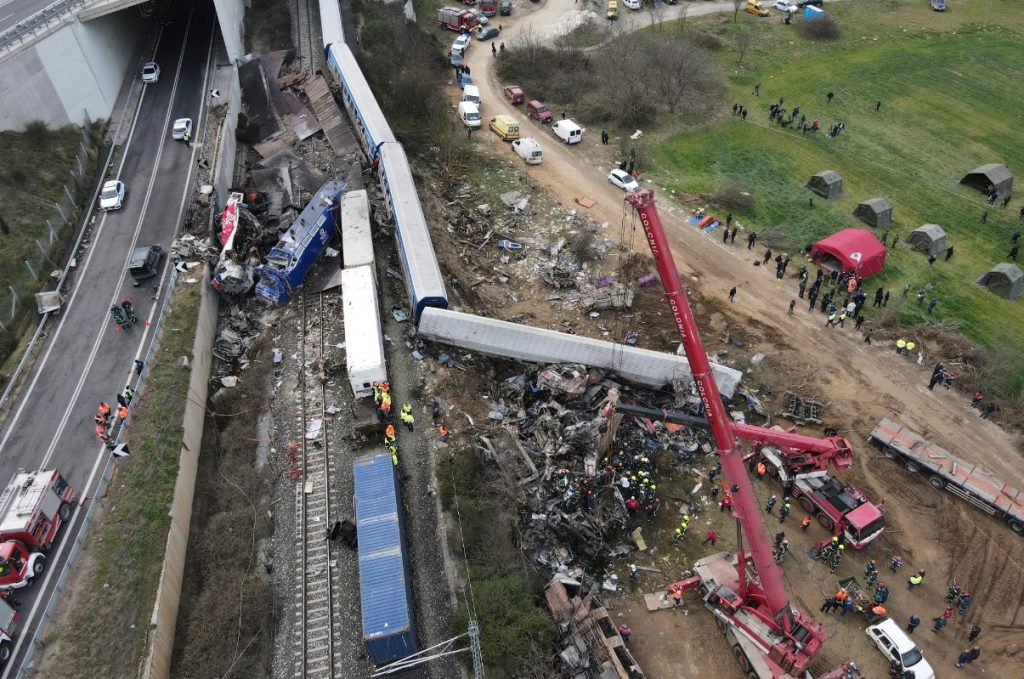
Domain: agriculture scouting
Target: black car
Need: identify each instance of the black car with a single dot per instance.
(816, 3)
(506, 7)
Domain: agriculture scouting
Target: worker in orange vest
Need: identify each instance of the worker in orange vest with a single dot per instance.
(805, 523)
(122, 413)
(842, 594)
(761, 471)
(104, 410)
(442, 431)
(877, 613)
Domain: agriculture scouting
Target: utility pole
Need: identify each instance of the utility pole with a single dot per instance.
(474, 649)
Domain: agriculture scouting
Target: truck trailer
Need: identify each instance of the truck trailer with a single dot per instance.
(455, 19)
(364, 339)
(948, 472)
(385, 581)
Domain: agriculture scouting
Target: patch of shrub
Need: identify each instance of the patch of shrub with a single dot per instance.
(823, 28)
(733, 196)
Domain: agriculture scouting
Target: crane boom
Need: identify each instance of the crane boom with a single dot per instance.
(803, 635)
(747, 509)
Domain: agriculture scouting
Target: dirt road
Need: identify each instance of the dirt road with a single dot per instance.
(864, 383)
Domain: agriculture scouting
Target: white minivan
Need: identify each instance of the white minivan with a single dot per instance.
(894, 644)
(471, 93)
(469, 114)
(529, 150)
(568, 131)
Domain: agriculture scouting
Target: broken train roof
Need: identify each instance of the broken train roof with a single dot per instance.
(537, 345)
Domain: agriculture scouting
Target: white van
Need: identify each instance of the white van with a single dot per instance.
(529, 150)
(568, 131)
(469, 114)
(471, 93)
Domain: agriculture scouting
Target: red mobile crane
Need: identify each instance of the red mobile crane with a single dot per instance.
(771, 638)
(801, 463)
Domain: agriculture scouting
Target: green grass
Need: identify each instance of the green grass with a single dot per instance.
(35, 165)
(112, 599)
(951, 100)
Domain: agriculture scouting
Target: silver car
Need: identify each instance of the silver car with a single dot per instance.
(112, 195)
(181, 127)
(150, 72)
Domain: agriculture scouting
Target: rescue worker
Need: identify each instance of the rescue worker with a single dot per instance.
(842, 594)
(953, 592)
(406, 416)
(869, 567)
(384, 408)
(104, 410)
(770, 504)
(101, 434)
(881, 593)
(878, 613)
(915, 580)
(761, 471)
(122, 413)
(805, 524)
(442, 431)
(895, 564)
(128, 394)
(389, 434)
(784, 512)
(912, 624)
(376, 393)
(100, 420)
(965, 602)
(901, 346)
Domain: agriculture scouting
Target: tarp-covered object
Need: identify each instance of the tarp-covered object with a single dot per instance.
(929, 239)
(876, 212)
(854, 250)
(991, 174)
(827, 184)
(1004, 279)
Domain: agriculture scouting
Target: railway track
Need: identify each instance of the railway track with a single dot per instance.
(318, 619)
(306, 34)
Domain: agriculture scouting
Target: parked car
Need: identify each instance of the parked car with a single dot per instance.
(112, 195)
(756, 8)
(538, 111)
(487, 32)
(784, 6)
(481, 18)
(505, 7)
(150, 72)
(461, 43)
(514, 94)
(623, 180)
(632, 4)
(938, 5)
(894, 644)
(144, 263)
(613, 10)
(181, 127)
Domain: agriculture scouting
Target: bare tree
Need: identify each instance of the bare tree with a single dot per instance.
(742, 45)
(736, 5)
(685, 73)
(683, 11)
(657, 14)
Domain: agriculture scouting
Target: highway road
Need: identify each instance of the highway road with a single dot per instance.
(13, 12)
(84, 359)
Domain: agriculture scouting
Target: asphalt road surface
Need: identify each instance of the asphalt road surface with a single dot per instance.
(12, 12)
(84, 359)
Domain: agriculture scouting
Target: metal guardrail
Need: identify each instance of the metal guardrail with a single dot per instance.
(41, 19)
(101, 487)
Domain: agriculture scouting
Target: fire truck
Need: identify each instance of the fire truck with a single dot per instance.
(455, 19)
(8, 626)
(32, 509)
(770, 637)
(801, 464)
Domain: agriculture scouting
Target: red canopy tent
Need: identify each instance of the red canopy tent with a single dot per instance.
(854, 250)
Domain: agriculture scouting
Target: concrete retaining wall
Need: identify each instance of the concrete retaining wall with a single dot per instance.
(168, 595)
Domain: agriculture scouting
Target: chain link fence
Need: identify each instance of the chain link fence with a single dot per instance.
(15, 303)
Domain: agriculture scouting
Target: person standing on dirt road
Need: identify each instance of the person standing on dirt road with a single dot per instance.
(732, 236)
(912, 624)
(975, 631)
(732, 294)
(792, 303)
(752, 238)
(767, 255)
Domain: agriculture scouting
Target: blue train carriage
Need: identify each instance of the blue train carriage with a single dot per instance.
(371, 126)
(423, 279)
(385, 582)
(290, 260)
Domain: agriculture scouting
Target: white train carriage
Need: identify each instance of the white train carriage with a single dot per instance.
(424, 282)
(368, 120)
(330, 23)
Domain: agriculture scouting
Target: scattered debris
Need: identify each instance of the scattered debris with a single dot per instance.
(803, 410)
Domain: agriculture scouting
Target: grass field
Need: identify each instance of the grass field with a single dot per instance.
(951, 100)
